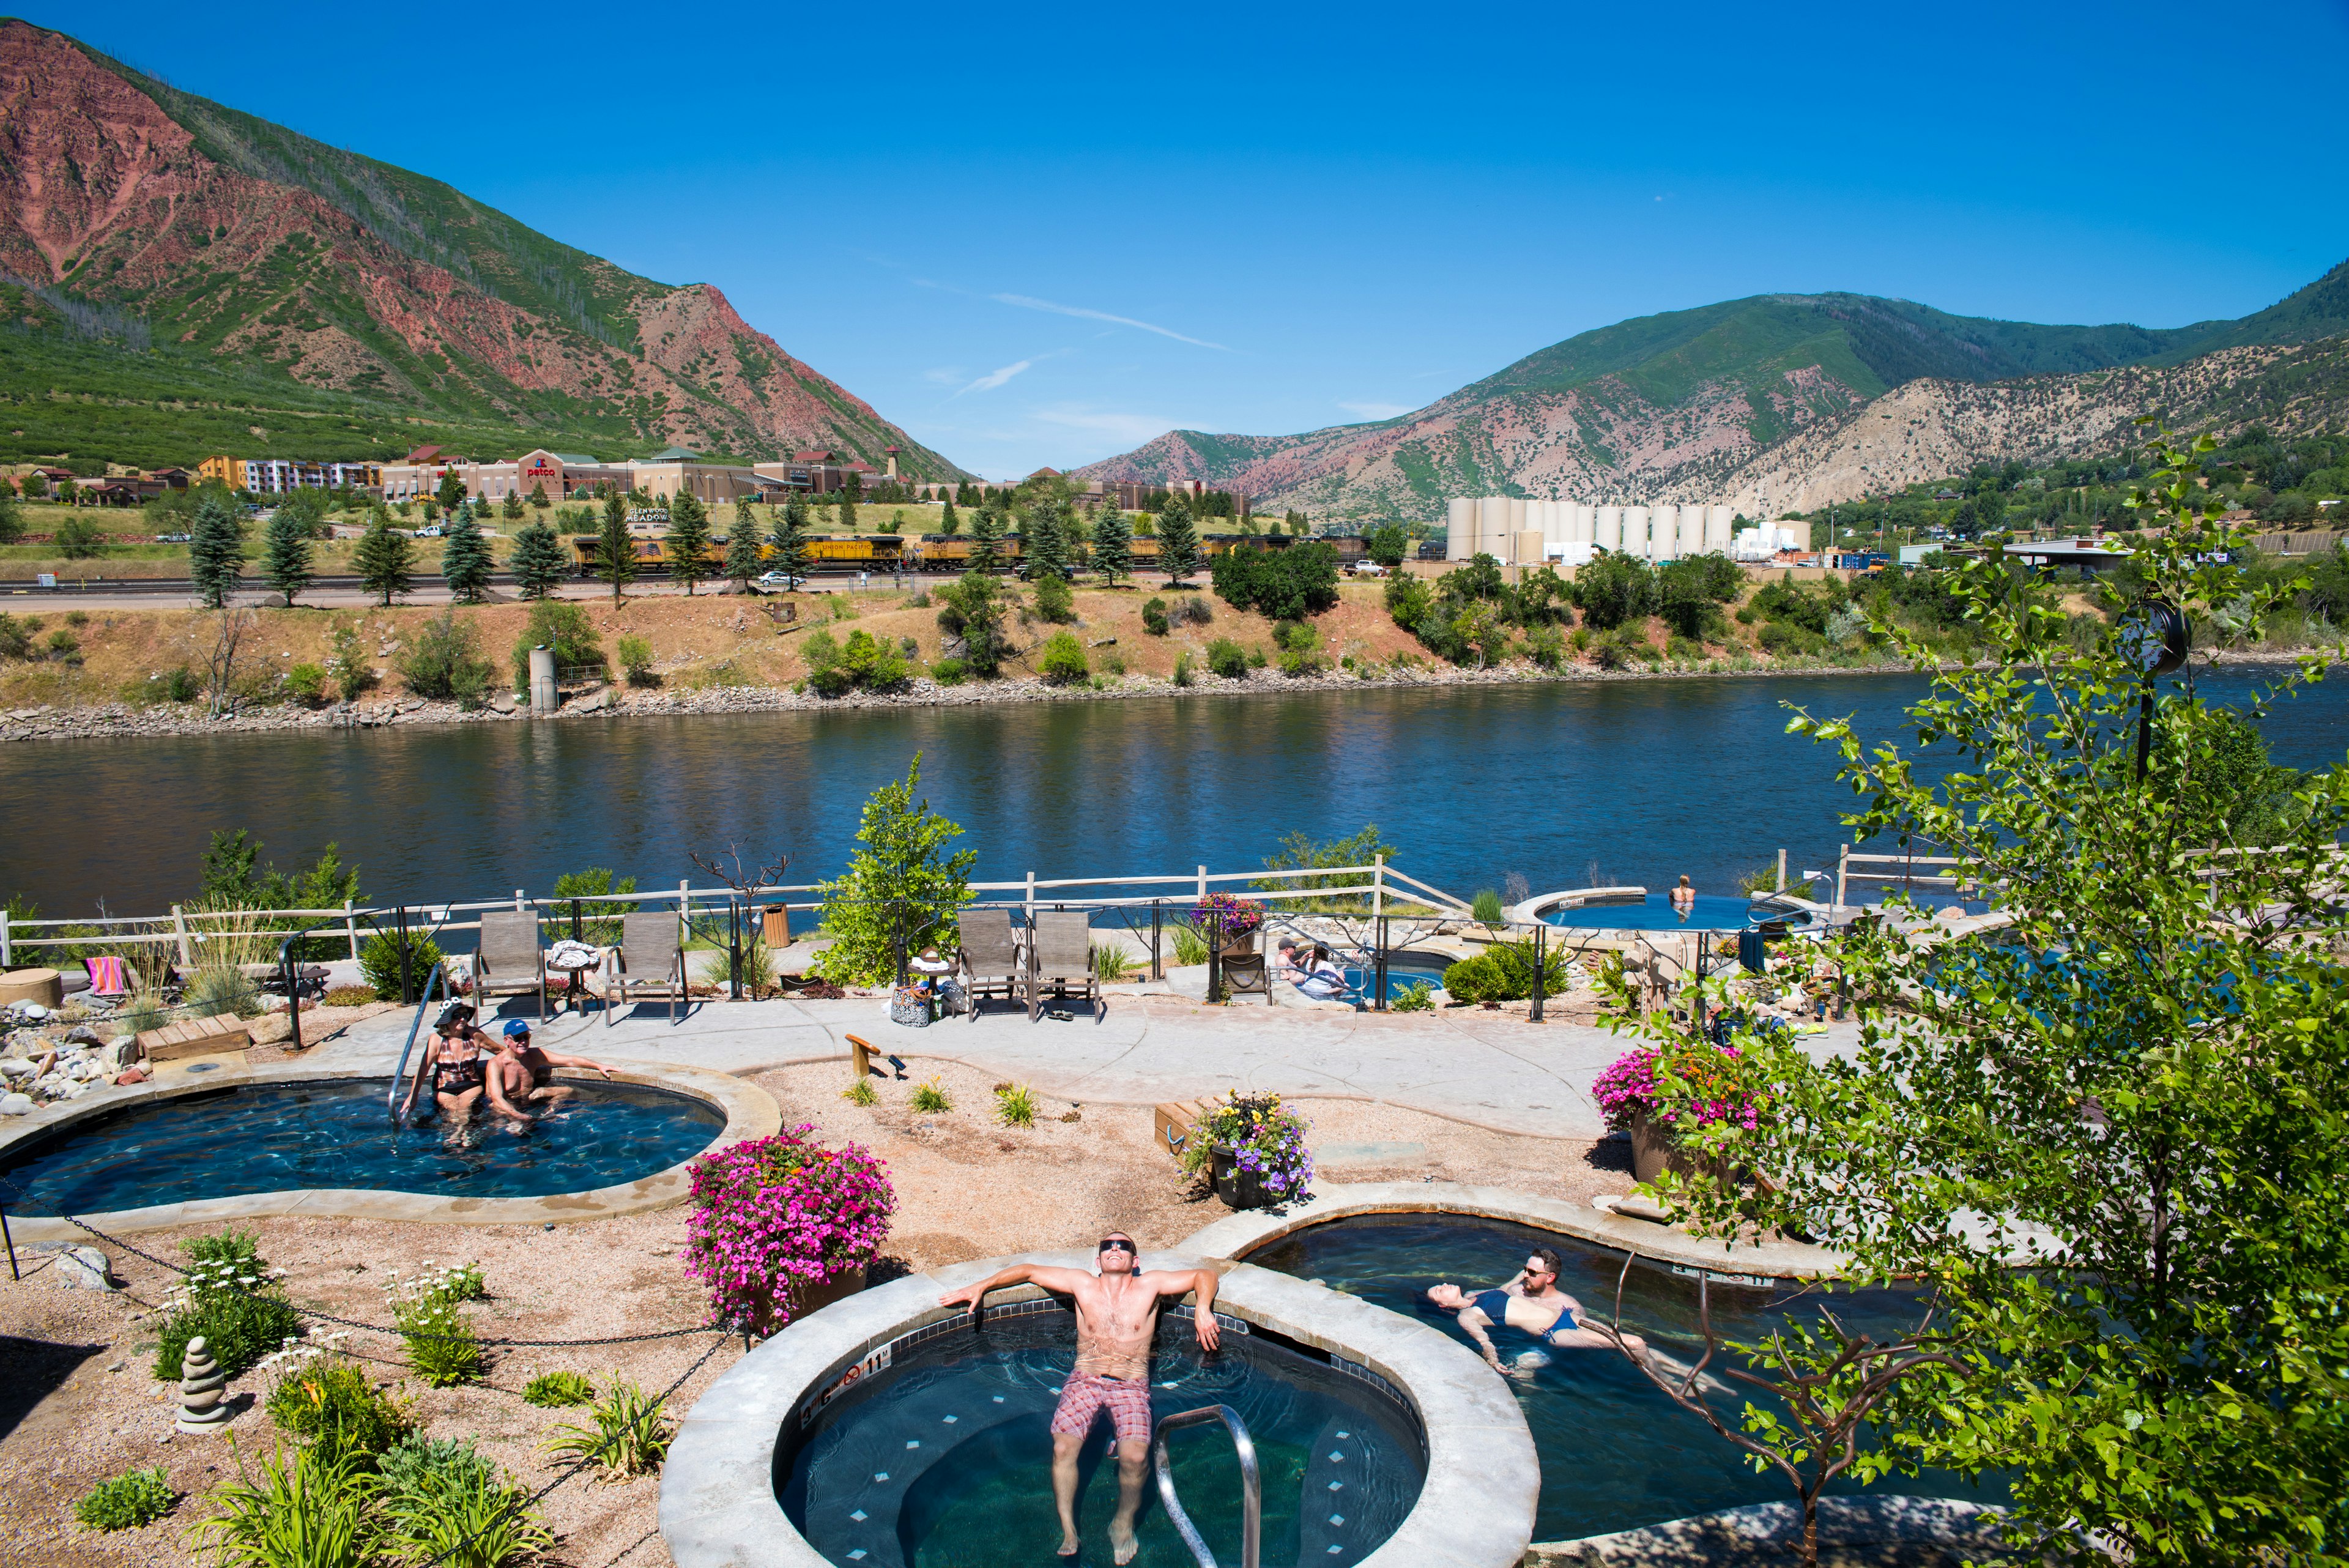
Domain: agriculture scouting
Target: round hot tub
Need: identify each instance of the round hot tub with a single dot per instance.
(1654, 912)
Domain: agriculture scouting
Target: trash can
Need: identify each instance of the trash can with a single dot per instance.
(1752, 951)
(775, 926)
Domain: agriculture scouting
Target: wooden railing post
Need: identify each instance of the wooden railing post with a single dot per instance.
(1843, 871)
(180, 930)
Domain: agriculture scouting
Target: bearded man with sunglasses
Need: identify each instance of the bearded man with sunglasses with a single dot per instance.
(1117, 1316)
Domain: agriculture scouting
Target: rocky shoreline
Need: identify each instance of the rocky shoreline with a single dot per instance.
(117, 720)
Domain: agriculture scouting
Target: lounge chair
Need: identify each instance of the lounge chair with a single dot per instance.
(649, 961)
(990, 963)
(1245, 974)
(1060, 954)
(510, 962)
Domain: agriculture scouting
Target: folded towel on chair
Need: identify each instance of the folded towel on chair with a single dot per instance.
(108, 977)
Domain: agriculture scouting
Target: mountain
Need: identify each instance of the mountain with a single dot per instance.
(181, 277)
(1763, 397)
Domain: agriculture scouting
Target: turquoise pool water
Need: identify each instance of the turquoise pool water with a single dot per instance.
(1712, 913)
(941, 1459)
(1615, 1453)
(335, 1133)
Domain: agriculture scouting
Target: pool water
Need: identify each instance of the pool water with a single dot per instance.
(943, 1461)
(1404, 971)
(277, 1137)
(1714, 912)
(1615, 1453)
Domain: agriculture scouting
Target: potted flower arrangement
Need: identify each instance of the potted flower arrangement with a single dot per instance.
(1657, 1097)
(1254, 1151)
(782, 1226)
(1227, 920)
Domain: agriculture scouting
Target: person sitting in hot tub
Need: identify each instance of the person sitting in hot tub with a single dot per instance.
(1322, 979)
(1530, 1302)
(527, 1072)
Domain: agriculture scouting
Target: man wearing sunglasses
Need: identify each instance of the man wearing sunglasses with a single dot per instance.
(1532, 1303)
(1117, 1315)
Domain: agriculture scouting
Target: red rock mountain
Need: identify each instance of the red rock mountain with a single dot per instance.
(230, 277)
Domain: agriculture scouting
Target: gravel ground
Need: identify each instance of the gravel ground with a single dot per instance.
(78, 1402)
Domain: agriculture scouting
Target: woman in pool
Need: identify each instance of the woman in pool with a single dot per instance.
(1531, 1302)
(1684, 897)
(460, 1075)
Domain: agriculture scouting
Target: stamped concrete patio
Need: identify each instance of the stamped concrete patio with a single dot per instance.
(1150, 1043)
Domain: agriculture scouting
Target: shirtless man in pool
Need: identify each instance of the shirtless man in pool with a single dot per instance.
(1533, 1302)
(1117, 1314)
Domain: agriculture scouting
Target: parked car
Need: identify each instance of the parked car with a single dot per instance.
(1369, 569)
(429, 530)
(775, 582)
(174, 538)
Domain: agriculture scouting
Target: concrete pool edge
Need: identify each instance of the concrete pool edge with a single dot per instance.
(1474, 1509)
(1233, 1238)
(749, 1111)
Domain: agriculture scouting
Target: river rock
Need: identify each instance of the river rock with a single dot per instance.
(16, 1067)
(125, 1050)
(270, 1028)
(16, 1105)
(200, 1382)
(82, 1269)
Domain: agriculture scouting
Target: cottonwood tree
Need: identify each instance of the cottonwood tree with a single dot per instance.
(2132, 1081)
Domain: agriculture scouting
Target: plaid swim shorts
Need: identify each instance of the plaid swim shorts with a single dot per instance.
(1084, 1394)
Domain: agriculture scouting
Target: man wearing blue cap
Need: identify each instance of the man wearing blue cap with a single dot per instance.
(527, 1072)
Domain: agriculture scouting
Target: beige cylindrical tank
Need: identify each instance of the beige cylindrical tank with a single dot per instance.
(1635, 532)
(1518, 520)
(1492, 524)
(1581, 522)
(1720, 526)
(1607, 527)
(1665, 524)
(1459, 529)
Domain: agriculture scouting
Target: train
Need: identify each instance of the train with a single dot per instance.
(927, 553)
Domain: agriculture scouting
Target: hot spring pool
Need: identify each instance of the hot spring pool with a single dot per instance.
(1404, 969)
(336, 1133)
(1615, 1453)
(1714, 912)
(939, 1456)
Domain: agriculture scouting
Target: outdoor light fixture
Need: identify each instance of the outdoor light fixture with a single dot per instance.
(2158, 640)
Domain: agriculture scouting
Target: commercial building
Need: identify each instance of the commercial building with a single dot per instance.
(814, 473)
(1520, 532)
(284, 476)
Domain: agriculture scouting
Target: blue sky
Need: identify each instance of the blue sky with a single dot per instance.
(1046, 234)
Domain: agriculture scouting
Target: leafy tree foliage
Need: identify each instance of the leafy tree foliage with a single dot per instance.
(442, 659)
(1616, 589)
(1387, 544)
(12, 516)
(972, 611)
(216, 550)
(1286, 584)
(566, 631)
(903, 890)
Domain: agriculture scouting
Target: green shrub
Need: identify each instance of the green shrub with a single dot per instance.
(16, 636)
(1227, 658)
(1300, 650)
(636, 659)
(553, 1390)
(568, 634)
(1475, 979)
(231, 1300)
(1055, 600)
(308, 683)
(1015, 1105)
(861, 1093)
(1153, 617)
(379, 961)
(950, 671)
(930, 1096)
(127, 1502)
(1487, 906)
(442, 1501)
(629, 1438)
(1183, 675)
(1546, 646)
(1505, 973)
(330, 1406)
(1063, 659)
(1416, 997)
(443, 659)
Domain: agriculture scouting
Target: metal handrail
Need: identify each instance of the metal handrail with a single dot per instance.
(432, 987)
(1251, 1487)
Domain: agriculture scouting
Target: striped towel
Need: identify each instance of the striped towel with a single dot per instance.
(107, 977)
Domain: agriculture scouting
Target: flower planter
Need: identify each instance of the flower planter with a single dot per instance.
(1654, 1152)
(807, 1297)
(1239, 1188)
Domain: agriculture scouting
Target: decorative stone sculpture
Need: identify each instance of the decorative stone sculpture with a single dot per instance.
(200, 1382)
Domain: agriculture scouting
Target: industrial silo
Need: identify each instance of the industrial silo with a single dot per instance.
(1635, 532)
(1460, 529)
(1720, 526)
(1607, 527)
(1664, 523)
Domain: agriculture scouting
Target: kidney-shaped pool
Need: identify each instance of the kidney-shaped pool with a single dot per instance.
(935, 1451)
(337, 1134)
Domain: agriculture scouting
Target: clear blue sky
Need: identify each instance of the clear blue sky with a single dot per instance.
(1045, 234)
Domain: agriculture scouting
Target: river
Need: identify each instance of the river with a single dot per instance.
(1563, 783)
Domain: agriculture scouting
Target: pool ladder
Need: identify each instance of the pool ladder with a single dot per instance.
(435, 990)
(1251, 1488)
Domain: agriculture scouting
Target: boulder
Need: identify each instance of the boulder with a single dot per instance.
(16, 1105)
(82, 1269)
(270, 1028)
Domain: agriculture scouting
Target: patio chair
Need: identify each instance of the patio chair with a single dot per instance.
(510, 962)
(649, 961)
(110, 979)
(1060, 954)
(990, 961)
(1245, 975)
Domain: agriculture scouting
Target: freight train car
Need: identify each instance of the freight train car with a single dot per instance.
(825, 553)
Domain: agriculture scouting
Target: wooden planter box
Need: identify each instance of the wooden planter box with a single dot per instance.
(195, 1037)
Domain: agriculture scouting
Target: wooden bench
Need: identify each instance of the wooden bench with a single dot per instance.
(195, 1037)
(1173, 1120)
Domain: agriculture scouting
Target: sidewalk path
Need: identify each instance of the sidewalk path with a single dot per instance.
(1488, 1070)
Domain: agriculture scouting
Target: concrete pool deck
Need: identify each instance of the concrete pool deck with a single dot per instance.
(1485, 1069)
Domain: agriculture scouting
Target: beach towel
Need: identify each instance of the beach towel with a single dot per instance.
(108, 977)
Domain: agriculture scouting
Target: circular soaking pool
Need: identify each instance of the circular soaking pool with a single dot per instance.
(1712, 913)
(1615, 1453)
(335, 1134)
(935, 1452)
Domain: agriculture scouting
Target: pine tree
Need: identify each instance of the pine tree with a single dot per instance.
(538, 495)
(850, 493)
(742, 547)
(513, 508)
(949, 524)
(286, 552)
(687, 537)
(537, 560)
(615, 552)
(1178, 541)
(465, 560)
(985, 535)
(1112, 544)
(215, 550)
(1044, 542)
(450, 492)
(384, 557)
(790, 540)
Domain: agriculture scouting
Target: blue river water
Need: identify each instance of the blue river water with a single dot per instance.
(1566, 784)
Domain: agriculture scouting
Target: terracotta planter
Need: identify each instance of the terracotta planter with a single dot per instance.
(1653, 1153)
(808, 1298)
